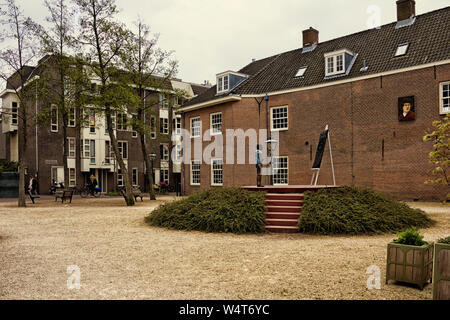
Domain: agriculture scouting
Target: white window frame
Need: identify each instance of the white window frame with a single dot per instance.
(72, 182)
(199, 163)
(214, 131)
(74, 149)
(163, 101)
(134, 133)
(54, 126)
(163, 173)
(92, 122)
(72, 117)
(119, 178)
(14, 114)
(120, 125)
(120, 145)
(212, 173)
(272, 118)
(135, 173)
(177, 128)
(108, 156)
(301, 72)
(443, 110)
(287, 168)
(166, 153)
(223, 83)
(163, 125)
(402, 50)
(199, 127)
(333, 58)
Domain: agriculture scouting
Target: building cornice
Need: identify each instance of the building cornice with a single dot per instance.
(210, 103)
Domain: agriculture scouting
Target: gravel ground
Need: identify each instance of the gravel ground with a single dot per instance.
(122, 258)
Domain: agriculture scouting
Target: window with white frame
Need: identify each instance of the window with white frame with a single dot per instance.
(177, 125)
(223, 83)
(335, 62)
(72, 177)
(72, 146)
(402, 50)
(280, 173)
(122, 122)
(54, 118)
(163, 101)
(195, 127)
(279, 118)
(14, 113)
(195, 172)
(134, 176)
(72, 117)
(178, 153)
(92, 122)
(164, 175)
(88, 150)
(216, 123)
(164, 152)
(123, 149)
(444, 97)
(216, 172)
(164, 125)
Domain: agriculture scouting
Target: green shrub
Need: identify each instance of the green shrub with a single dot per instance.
(410, 237)
(349, 210)
(444, 240)
(231, 210)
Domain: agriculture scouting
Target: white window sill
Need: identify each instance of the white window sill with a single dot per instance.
(195, 184)
(278, 130)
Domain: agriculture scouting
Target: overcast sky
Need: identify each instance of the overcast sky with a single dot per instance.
(211, 36)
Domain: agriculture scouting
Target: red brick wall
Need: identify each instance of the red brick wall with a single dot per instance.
(360, 115)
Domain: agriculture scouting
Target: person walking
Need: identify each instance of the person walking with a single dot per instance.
(258, 166)
(93, 184)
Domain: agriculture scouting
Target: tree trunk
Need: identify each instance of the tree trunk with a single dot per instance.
(145, 154)
(65, 151)
(22, 137)
(119, 159)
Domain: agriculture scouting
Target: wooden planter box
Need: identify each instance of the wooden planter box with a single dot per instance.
(441, 272)
(410, 264)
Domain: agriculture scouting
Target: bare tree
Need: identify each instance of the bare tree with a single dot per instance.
(15, 61)
(104, 38)
(149, 70)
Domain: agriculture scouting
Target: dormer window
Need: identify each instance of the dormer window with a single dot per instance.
(338, 62)
(402, 50)
(227, 81)
(223, 84)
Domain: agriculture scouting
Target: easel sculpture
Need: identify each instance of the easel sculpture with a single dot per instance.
(324, 136)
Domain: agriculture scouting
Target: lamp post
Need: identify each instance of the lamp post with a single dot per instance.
(152, 157)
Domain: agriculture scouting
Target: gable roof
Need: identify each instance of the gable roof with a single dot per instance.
(428, 40)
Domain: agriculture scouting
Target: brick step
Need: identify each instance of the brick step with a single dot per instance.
(282, 229)
(294, 209)
(281, 203)
(282, 222)
(282, 215)
(284, 196)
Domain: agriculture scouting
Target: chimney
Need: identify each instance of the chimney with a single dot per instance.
(405, 9)
(310, 37)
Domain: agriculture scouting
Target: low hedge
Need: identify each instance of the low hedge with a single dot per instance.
(232, 210)
(355, 211)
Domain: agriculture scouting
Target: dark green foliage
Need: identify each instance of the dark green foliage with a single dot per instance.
(9, 166)
(231, 210)
(444, 240)
(349, 210)
(410, 237)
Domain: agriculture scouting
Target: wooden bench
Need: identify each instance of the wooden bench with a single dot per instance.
(137, 194)
(67, 194)
(33, 196)
(64, 195)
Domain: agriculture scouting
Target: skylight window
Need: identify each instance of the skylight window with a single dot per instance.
(402, 49)
(301, 72)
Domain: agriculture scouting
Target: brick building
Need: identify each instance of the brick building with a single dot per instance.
(358, 85)
(89, 143)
